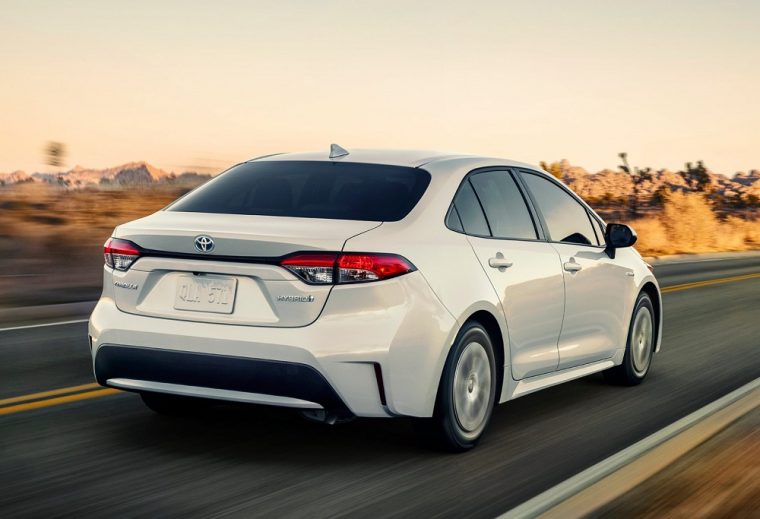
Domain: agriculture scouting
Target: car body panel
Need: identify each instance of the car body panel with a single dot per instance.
(597, 305)
(532, 295)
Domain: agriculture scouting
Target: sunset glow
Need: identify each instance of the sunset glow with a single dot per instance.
(205, 85)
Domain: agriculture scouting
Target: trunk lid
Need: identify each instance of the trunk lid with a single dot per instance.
(238, 282)
(239, 234)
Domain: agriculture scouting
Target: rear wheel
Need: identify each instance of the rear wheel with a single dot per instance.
(166, 404)
(466, 393)
(639, 347)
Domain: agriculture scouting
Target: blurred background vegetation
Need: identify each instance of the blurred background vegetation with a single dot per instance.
(53, 225)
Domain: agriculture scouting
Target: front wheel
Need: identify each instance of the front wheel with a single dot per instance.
(639, 348)
(466, 392)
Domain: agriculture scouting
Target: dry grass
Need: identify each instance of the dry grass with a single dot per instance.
(51, 238)
(687, 224)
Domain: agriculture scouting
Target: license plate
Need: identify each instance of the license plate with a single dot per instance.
(205, 294)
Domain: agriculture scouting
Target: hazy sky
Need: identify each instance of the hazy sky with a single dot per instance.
(183, 83)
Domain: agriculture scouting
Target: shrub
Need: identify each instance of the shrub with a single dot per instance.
(688, 224)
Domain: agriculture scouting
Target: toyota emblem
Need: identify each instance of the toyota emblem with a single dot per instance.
(204, 243)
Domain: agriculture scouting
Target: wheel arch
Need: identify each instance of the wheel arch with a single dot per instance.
(653, 292)
(492, 327)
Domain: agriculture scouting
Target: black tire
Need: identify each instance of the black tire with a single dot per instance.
(172, 405)
(445, 430)
(633, 370)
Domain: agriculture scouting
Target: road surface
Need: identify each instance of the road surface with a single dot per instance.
(110, 456)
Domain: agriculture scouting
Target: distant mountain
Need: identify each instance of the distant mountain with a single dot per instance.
(130, 174)
(17, 177)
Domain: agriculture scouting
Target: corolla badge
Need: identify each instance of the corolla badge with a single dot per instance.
(204, 243)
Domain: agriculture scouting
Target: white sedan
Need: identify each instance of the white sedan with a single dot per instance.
(373, 284)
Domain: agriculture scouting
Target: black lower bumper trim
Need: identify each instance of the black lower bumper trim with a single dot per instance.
(269, 377)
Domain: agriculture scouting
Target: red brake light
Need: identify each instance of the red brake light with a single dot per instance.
(371, 267)
(120, 254)
(333, 268)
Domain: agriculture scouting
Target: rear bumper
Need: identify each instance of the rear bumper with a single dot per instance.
(376, 350)
(221, 376)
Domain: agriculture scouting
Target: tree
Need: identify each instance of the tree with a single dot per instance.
(639, 176)
(697, 176)
(554, 169)
(55, 153)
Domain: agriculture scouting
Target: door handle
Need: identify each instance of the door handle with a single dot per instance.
(499, 263)
(572, 266)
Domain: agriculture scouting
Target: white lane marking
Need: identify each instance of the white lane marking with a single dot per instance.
(28, 326)
(572, 486)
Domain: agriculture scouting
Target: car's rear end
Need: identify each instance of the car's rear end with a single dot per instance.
(245, 290)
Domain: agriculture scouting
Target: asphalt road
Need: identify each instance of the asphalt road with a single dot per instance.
(110, 455)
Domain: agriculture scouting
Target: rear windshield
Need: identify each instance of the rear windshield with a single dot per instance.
(335, 190)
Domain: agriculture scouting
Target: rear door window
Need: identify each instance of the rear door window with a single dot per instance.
(311, 189)
(505, 208)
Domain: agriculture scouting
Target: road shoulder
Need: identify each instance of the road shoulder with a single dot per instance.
(593, 489)
(719, 478)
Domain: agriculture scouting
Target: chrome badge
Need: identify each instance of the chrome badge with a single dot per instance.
(128, 286)
(296, 299)
(204, 243)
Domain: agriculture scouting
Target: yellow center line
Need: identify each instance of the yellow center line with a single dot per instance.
(708, 282)
(53, 392)
(57, 401)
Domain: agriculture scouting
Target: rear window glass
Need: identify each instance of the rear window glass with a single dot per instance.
(334, 190)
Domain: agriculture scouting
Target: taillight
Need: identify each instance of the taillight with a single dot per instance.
(120, 254)
(353, 268)
(333, 268)
(317, 268)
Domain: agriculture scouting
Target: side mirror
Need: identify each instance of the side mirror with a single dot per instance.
(618, 236)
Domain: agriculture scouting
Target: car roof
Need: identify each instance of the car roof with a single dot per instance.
(408, 158)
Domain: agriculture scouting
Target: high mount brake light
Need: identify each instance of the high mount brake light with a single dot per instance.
(120, 254)
(332, 268)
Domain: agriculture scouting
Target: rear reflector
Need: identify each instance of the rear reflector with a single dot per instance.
(120, 254)
(333, 268)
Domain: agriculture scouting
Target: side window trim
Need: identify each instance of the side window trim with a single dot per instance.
(595, 225)
(536, 218)
(597, 222)
(570, 193)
